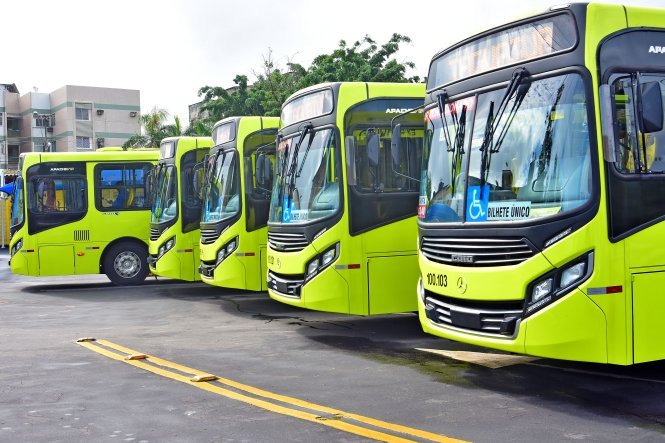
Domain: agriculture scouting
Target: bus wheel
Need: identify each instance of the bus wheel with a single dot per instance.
(126, 264)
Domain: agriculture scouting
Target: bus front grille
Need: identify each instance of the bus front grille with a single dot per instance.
(154, 234)
(476, 251)
(289, 286)
(209, 236)
(493, 318)
(287, 242)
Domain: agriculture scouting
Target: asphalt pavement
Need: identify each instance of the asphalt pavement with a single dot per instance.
(286, 374)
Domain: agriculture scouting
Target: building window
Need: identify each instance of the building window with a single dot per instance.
(83, 111)
(44, 120)
(121, 187)
(1, 118)
(83, 143)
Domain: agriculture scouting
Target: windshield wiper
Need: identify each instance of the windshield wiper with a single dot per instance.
(456, 146)
(441, 105)
(488, 147)
(294, 158)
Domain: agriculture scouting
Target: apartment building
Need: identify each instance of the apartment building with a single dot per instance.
(71, 118)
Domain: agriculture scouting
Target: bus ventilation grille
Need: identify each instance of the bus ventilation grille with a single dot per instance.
(287, 242)
(209, 236)
(81, 235)
(154, 234)
(476, 251)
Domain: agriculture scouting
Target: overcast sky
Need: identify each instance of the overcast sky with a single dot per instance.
(168, 49)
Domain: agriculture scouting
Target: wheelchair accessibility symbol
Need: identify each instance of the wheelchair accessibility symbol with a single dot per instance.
(476, 203)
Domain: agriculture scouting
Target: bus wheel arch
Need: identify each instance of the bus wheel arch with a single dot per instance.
(125, 261)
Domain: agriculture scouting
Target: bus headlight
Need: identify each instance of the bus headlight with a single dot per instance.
(312, 267)
(321, 261)
(166, 247)
(17, 246)
(421, 289)
(555, 284)
(572, 274)
(542, 289)
(227, 250)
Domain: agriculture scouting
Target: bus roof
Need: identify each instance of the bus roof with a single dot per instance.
(334, 85)
(148, 155)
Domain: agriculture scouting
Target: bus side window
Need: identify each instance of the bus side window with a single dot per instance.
(50, 195)
(121, 187)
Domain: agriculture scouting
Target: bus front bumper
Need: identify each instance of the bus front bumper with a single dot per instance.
(229, 273)
(20, 263)
(572, 328)
(168, 265)
(327, 291)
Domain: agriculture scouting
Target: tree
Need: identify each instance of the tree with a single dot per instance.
(362, 61)
(151, 132)
(174, 129)
(199, 128)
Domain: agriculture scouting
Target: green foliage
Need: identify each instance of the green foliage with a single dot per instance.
(199, 128)
(363, 61)
(152, 130)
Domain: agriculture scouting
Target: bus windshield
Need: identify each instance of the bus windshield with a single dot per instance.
(222, 198)
(306, 185)
(165, 205)
(534, 159)
(18, 208)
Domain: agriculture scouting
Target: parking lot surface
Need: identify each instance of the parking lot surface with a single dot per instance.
(286, 374)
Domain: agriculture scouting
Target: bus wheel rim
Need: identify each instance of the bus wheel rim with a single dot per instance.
(127, 264)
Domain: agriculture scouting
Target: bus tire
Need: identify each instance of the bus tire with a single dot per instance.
(126, 264)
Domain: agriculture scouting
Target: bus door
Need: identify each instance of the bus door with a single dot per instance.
(384, 196)
(637, 195)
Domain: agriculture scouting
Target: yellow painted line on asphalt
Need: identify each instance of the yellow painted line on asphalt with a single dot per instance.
(324, 415)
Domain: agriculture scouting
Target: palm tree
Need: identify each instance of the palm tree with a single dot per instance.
(199, 128)
(152, 130)
(175, 129)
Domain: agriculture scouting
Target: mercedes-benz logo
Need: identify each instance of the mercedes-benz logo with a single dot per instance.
(461, 285)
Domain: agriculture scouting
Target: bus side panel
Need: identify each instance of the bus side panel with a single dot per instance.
(392, 283)
(196, 259)
(88, 256)
(56, 260)
(648, 314)
(263, 257)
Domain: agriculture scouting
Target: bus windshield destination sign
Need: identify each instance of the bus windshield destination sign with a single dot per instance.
(307, 107)
(504, 48)
(167, 150)
(224, 133)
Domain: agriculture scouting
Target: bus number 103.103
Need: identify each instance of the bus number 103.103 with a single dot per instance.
(437, 280)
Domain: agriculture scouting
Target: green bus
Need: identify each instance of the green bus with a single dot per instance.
(342, 224)
(543, 187)
(82, 213)
(176, 208)
(236, 196)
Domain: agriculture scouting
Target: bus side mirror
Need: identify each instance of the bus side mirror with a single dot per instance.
(607, 123)
(263, 171)
(350, 148)
(259, 170)
(651, 115)
(197, 180)
(396, 144)
(373, 148)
